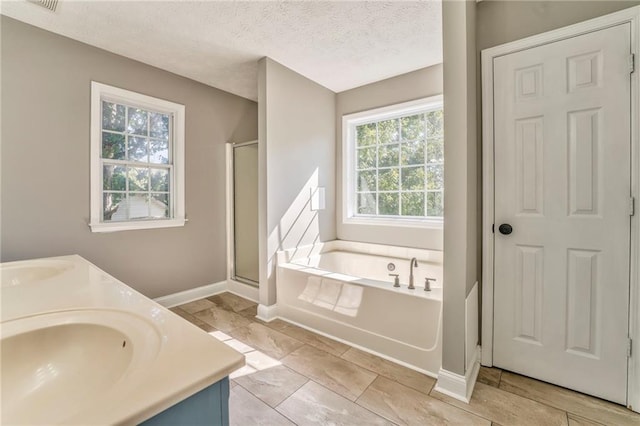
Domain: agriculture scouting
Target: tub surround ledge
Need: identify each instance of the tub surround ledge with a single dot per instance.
(426, 255)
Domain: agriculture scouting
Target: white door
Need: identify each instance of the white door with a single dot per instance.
(562, 182)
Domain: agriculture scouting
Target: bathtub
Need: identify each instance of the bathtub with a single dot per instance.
(343, 290)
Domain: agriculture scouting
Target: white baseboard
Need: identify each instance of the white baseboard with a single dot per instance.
(267, 313)
(457, 386)
(175, 299)
(471, 328)
(243, 290)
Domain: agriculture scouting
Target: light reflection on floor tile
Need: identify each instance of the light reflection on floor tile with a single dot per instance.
(266, 392)
(238, 346)
(242, 371)
(220, 335)
(261, 361)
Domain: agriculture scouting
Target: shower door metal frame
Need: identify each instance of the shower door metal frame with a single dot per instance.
(230, 198)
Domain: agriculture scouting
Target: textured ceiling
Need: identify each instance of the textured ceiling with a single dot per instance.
(338, 44)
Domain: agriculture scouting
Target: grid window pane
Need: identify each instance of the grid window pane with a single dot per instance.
(137, 122)
(138, 149)
(413, 178)
(114, 178)
(159, 206)
(413, 153)
(388, 204)
(435, 177)
(388, 179)
(413, 204)
(112, 204)
(160, 180)
(367, 203)
(367, 181)
(413, 127)
(435, 122)
(138, 179)
(159, 126)
(366, 134)
(113, 146)
(158, 151)
(388, 131)
(388, 155)
(435, 150)
(138, 205)
(435, 204)
(366, 158)
(113, 116)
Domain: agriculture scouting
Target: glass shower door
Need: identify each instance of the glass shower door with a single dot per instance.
(245, 212)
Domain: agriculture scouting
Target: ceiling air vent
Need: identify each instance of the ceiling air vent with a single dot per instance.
(48, 4)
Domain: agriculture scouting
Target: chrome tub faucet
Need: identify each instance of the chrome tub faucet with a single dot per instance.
(414, 263)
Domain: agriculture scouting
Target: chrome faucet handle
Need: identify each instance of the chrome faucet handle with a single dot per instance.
(427, 283)
(396, 280)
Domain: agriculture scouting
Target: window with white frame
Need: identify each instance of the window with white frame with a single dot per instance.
(394, 164)
(137, 161)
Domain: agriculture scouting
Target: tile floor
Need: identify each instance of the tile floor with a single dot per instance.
(296, 377)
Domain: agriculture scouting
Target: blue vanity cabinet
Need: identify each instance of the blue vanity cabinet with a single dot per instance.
(208, 407)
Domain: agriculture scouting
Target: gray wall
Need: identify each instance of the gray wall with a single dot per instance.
(407, 87)
(500, 21)
(297, 155)
(45, 162)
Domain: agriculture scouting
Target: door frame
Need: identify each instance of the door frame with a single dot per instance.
(632, 16)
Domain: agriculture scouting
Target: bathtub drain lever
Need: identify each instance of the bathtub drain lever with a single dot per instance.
(396, 279)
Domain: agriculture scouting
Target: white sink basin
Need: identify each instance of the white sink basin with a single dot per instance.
(61, 361)
(29, 272)
(79, 347)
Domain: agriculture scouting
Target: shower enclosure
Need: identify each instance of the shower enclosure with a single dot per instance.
(244, 212)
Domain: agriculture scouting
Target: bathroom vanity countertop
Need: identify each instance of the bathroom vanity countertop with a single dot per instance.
(171, 359)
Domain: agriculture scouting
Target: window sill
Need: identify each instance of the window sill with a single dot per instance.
(402, 223)
(136, 225)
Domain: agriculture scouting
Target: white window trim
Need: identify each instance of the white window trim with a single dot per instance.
(101, 91)
(349, 123)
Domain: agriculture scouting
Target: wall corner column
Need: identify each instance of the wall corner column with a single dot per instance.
(461, 186)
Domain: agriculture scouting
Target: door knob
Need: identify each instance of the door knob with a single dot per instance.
(505, 229)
